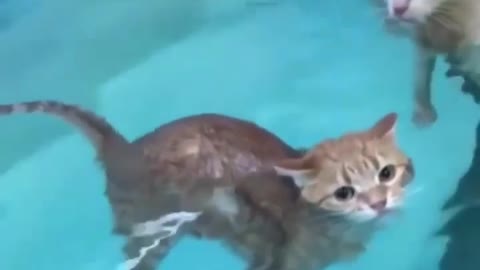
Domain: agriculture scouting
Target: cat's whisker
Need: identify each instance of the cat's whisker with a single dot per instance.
(399, 202)
(413, 192)
(396, 204)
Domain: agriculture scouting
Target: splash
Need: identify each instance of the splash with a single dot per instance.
(165, 227)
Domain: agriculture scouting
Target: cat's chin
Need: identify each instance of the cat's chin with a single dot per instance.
(362, 217)
(370, 216)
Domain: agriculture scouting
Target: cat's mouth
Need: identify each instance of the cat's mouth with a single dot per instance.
(374, 212)
(393, 208)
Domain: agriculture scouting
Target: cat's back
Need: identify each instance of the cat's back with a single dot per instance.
(471, 14)
(213, 145)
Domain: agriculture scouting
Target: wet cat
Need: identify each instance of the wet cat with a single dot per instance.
(277, 207)
(440, 28)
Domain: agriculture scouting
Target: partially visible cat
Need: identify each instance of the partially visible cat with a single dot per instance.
(440, 28)
(277, 207)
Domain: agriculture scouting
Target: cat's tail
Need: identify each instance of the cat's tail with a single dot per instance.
(95, 128)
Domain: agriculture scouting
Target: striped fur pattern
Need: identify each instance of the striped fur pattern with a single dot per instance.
(96, 129)
(277, 207)
(355, 173)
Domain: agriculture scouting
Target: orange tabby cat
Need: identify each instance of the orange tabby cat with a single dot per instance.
(277, 207)
(346, 185)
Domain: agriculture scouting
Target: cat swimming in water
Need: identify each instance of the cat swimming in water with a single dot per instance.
(278, 207)
(440, 28)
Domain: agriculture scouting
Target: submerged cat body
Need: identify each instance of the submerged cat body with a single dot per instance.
(278, 207)
(440, 28)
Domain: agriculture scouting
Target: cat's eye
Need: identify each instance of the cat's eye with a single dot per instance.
(344, 193)
(386, 174)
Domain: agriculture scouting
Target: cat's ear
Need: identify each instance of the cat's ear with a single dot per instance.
(299, 169)
(385, 127)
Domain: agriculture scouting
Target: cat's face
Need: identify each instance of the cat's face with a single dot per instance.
(361, 175)
(413, 11)
(438, 25)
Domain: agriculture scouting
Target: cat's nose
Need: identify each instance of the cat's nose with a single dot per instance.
(400, 10)
(379, 206)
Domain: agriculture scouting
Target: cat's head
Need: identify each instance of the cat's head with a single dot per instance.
(437, 25)
(413, 11)
(360, 175)
(403, 17)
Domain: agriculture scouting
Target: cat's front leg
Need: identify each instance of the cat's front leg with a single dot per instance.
(424, 113)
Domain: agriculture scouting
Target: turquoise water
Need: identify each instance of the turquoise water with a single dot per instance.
(306, 69)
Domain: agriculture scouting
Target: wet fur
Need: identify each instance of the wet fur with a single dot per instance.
(445, 30)
(452, 29)
(224, 167)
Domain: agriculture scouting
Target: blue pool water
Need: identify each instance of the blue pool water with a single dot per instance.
(305, 69)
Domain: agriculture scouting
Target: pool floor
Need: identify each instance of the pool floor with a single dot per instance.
(307, 70)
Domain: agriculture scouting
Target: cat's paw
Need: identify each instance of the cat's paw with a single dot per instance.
(424, 116)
